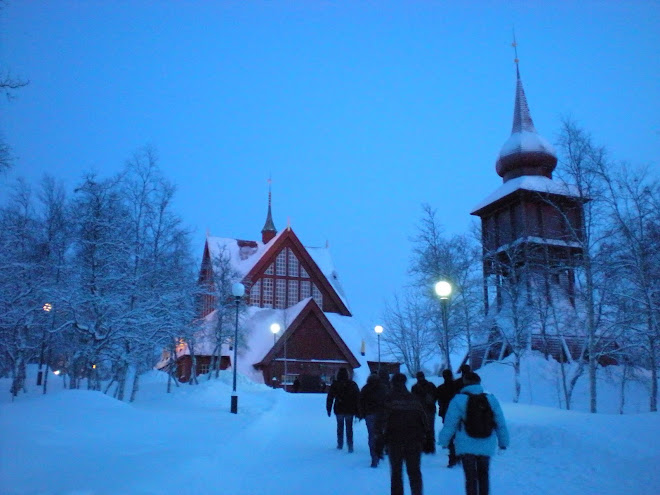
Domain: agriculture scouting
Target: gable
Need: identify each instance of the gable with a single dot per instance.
(311, 336)
(287, 274)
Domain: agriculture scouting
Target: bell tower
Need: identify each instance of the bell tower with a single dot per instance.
(531, 226)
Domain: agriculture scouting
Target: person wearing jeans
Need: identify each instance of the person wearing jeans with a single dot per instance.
(344, 394)
(475, 453)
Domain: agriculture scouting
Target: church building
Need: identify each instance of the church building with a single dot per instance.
(291, 289)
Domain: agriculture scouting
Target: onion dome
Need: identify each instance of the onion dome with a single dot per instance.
(525, 152)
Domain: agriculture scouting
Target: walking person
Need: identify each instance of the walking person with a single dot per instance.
(345, 395)
(445, 393)
(372, 409)
(425, 392)
(477, 420)
(406, 429)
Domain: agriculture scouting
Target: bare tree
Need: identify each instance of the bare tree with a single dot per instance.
(410, 336)
(634, 204)
(455, 259)
(580, 165)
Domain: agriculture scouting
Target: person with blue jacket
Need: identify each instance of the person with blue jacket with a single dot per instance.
(475, 453)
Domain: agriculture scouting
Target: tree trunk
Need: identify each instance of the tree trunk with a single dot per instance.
(516, 378)
(136, 386)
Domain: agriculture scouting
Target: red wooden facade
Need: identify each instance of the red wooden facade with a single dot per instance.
(284, 274)
(310, 347)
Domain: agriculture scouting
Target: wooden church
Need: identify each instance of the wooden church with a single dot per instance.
(295, 287)
(531, 228)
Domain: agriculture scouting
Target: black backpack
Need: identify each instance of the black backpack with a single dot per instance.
(479, 418)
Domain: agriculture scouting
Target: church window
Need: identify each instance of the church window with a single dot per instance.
(303, 272)
(271, 269)
(293, 263)
(267, 293)
(305, 289)
(280, 293)
(318, 297)
(280, 263)
(293, 292)
(255, 293)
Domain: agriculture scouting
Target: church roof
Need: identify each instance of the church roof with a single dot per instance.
(244, 256)
(255, 325)
(534, 183)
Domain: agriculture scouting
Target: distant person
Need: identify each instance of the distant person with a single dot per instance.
(296, 385)
(372, 409)
(345, 395)
(445, 393)
(425, 392)
(477, 421)
(458, 382)
(406, 429)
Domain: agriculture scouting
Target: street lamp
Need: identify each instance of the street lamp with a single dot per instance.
(443, 290)
(40, 374)
(275, 328)
(237, 290)
(378, 329)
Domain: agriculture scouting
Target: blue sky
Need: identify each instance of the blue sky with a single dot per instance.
(360, 111)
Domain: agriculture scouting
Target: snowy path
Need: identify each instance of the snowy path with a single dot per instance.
(187, 443)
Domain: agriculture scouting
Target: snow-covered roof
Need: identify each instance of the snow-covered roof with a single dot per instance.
(321, 256)
(535, 183)
(526, 142)
(539, 240)
(242, 258)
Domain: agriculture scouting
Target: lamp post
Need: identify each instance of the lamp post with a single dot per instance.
(40, 374)
(443, 290)
(275, 328)
(378, 329)
(237, 290)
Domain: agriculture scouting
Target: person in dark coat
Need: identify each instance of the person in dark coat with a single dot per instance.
(475, 452)
(345, 395)
(425, 392)
(406, 430)
(445, 393)
(458, 382)
(372, 410)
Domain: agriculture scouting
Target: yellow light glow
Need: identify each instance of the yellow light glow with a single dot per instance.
(47, 307)
(57, 372)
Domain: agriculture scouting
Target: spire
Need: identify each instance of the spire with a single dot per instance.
(525, 152)
(522, 120)
(269, 231)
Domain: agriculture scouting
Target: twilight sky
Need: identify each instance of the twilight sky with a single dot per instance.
(360, 111)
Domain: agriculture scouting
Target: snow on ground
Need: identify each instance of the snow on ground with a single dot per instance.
(187, 442)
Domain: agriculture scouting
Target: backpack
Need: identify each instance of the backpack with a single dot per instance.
(479, 418)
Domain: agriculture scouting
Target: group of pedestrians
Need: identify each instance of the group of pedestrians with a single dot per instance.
(401, 423)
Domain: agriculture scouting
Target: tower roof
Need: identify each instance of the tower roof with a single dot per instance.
(526, 152)
(269, 230)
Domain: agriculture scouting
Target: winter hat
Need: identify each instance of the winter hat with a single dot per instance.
(420, 375)
(471, 378)
(399, 379)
